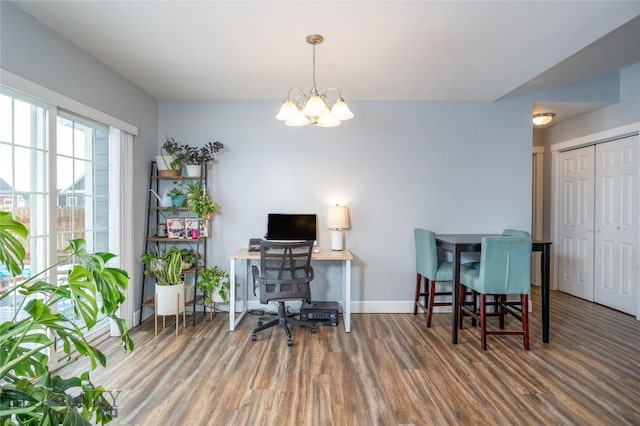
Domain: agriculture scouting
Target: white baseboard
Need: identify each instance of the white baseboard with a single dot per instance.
(357, 307)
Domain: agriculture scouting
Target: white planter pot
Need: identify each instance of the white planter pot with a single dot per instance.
(192, 170)
(215, 297)
(169, 299)
(164, 162)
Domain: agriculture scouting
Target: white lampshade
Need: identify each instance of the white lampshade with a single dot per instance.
(338, 217)
(288, 110)
(297, 120)
(315, 106)
(341, 110)
(328, 120)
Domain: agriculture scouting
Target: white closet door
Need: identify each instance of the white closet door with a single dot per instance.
(616, 219)
(576, 224)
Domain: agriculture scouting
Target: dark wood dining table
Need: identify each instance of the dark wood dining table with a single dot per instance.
(457, 244)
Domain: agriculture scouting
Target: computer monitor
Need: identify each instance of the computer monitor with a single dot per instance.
(291, 227)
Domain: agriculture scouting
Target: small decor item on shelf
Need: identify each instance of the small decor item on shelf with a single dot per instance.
(204, 228)
(165, 200)
(214, 285)
(191, 228)
(175, 227)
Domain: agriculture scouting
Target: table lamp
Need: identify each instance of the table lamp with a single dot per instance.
(337, 222)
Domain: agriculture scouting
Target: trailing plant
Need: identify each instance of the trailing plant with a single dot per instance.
(198, 201)
(187, 154)
(213, 279)
(166, 268)
(172, 149)
(29, 392)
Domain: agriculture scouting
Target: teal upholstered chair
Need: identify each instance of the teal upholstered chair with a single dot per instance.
(507, 233)
(515, 233)
(505, 268)
(429, 270)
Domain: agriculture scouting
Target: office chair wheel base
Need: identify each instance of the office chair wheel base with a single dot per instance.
(259, 323)
(254, 337)
(289, 342)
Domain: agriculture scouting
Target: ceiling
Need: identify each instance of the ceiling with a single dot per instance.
(385, 50)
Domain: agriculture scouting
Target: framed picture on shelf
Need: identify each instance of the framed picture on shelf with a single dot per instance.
(191, 228)
(204, 228)
(175, 227)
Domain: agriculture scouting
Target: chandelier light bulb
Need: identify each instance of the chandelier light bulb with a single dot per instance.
(341, 111)
(328, 120)
(288, 110)
(315, 106)
(297, 121)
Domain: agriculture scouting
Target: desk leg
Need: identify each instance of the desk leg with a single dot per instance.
(232, 294)
(347, 296)
(455, 296)
(545, 266)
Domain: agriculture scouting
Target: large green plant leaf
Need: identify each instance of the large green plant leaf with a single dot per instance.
(12, 236)
(70, 334)
(20, 349)
(23, 398)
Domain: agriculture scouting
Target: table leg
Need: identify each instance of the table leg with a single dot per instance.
(347, 296)
(232, 294)
(545, 267)
(455, 294)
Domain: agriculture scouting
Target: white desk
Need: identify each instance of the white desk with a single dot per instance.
(323, 255)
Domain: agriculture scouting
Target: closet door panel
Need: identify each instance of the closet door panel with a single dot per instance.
(616, 224)
(577, 222)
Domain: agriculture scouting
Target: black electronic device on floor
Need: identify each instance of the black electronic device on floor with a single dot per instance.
(320, 313)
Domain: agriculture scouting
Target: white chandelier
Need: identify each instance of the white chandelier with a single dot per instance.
(313, 108)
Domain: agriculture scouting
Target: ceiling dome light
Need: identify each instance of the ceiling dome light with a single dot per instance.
(543, 118)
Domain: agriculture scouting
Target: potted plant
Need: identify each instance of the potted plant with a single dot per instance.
(167, 268)
(169, 165)
(178, 196)
(31, 393)
(214, 284)
(189, 258)
(193, 158)
(198, 201)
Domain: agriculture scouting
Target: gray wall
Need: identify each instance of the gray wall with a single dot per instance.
(624, 112)
(34, 52)
(447, 166)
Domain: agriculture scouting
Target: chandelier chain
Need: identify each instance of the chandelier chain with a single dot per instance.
(313, 74)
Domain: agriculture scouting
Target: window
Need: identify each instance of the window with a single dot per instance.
(23, 176)
(82, 186)
(57, 181)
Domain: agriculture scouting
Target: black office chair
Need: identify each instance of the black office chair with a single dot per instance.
(285, 273)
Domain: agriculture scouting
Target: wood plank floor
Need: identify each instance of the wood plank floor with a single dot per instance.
(390, 370)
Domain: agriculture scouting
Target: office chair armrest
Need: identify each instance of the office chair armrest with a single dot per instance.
(256, 278)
